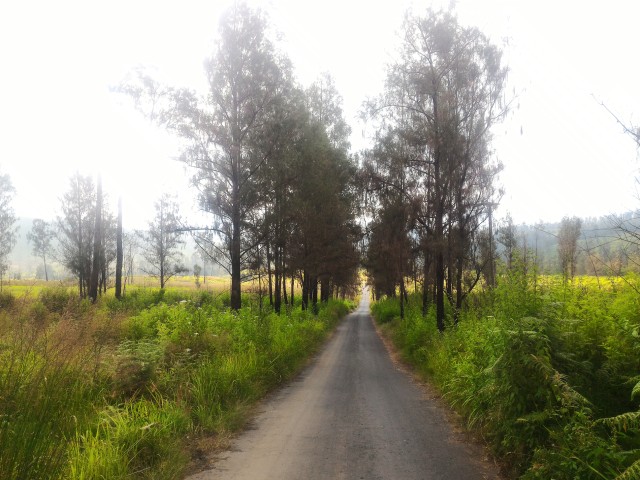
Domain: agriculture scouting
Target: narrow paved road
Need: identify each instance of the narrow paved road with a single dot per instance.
(351, 415)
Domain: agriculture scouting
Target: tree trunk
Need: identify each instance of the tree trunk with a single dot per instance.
(97, 245)
(278, 280)
(314, 293)
(284, 278)
(46, 275)
(439, 287)
(104, 276)
(260, 288)
(425, 282)
(119, 252)
(439, 213)
(292, 287)
(325, 289)
(269, 274)
(402, 301)
(236, 300)
(459, 292)
(285, 297)
(305, 290)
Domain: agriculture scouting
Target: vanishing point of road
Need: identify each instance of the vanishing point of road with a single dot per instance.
(352, 414)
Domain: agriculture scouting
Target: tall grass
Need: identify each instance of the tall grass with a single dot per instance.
(545, 371)
(108, 390)
(45, 395)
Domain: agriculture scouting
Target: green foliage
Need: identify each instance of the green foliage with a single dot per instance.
(96, 394)
(547, 370)
(136, 366)
(137, 440)
(631, 473)
(6, 299)
(386, 310)
(45, 397)
(57, 299)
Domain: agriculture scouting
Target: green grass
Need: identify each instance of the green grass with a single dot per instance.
(543, 369)
(108, 390)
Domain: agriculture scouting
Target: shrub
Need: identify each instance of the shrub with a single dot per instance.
(386, 310)
(6, 299)
(57, 298)
(136, 366)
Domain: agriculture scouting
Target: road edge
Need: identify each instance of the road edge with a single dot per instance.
(460, 434)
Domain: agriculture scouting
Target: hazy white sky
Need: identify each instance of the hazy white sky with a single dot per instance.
(563, 153)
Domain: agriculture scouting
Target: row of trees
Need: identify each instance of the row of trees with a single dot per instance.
(270, 164)
(87, 239)
(428, 183)
(269, 160)
(8, 220)
(429, 180)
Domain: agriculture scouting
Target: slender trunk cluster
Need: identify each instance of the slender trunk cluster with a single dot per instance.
(441, 100)
(86, 236)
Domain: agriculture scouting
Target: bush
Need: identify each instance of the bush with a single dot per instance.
(6, 299)
(386, 310)
(136, 366)
(56, 299)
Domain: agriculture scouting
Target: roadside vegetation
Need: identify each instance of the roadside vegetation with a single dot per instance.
(98, 385)
(129, 388)
(546, 370)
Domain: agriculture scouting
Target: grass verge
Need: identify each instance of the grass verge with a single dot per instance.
(120, 389)
(553, 385)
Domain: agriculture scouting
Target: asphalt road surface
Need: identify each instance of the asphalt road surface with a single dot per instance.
(352, 414)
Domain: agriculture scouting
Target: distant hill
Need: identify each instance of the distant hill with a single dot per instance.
(598, 245)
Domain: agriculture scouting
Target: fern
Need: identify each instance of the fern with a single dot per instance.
(623, 422)
(567, 395)
(635, 391)
(631, 473)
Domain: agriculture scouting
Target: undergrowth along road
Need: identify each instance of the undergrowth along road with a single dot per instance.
(351, 414)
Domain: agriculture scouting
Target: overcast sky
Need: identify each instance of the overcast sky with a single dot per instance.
(563, 153)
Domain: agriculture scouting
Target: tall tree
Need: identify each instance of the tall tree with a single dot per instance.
(445, 93)
(568, 245)
(246, 77)
(325, 231)
(324, 103)
(75, 230)
(131, 244)
(162, 241)
(507, 237)
(391, 190)
(8, 229)
(40, 237)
